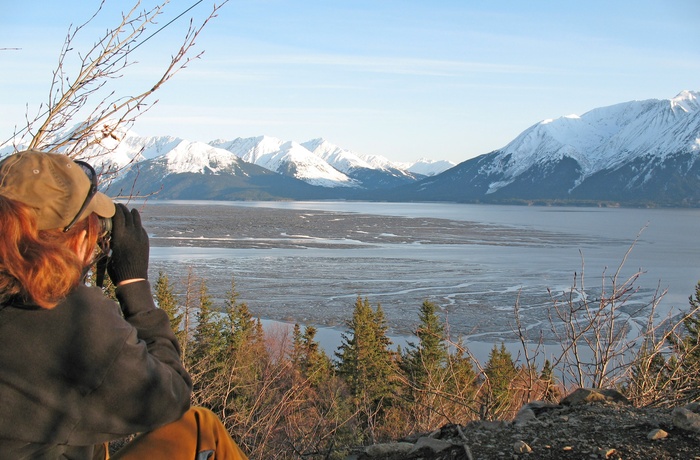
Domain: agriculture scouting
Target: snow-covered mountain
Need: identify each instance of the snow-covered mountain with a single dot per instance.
(638, 152)
(196, 170)
(633, 153)
(333, 171)
(366, 169)
(288, 158)
(349, 162)
(607, 137)
(316, 162)
(197, 158)
(427, 167)
(346, 160)
(319, 162)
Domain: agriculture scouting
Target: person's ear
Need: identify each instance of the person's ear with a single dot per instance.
(81, 245)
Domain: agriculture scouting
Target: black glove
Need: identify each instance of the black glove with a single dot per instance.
(129, 245)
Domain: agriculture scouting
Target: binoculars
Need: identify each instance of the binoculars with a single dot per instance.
(105, 227)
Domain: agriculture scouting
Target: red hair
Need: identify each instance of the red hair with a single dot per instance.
(41, 266)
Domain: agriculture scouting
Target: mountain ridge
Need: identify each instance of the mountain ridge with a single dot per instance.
(636, 153)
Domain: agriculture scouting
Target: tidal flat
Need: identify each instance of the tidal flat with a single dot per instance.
(299, 265)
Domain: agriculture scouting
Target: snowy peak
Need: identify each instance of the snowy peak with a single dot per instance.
(426, 167)
(341, 159)
(251, 149)
(686, 101)
(133, 148)
(604, 137)
(297, 161)
(641, 152)
(549, 139)
(289, 158)
(197, 157)
(320, 162)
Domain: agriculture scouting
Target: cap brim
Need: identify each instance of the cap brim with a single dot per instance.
(102, 205)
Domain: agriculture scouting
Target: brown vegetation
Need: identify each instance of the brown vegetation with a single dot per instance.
(281, 396)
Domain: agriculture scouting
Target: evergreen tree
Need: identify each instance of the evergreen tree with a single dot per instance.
(364, 355)
(165, 299)
(500, 372)
(551, 391)
(425, 368)
(690, 342)
(426, 361)
(461, 379)
(295, 355)
(251, 381)
(188, 309)
(208, 341)
(366, 363)
(258, 332)
(313, 362)
(239, 324)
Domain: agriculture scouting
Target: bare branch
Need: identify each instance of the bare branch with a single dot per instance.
(86, 96)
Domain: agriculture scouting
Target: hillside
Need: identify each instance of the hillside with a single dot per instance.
(587, 424)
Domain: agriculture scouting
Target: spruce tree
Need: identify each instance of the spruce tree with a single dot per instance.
(164, 294)
(366, 363)
(364, 355)
(308, 357)
(250, 383)
(691, 324)
(500, 372)
(426, 361)
(188, 308)
(551, 390)
(239, 324)
(295, 354)
(208, 337)
(462, 378)
(425, 370)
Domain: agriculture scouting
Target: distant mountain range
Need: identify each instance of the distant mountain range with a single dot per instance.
(639, 153)
(257, 168)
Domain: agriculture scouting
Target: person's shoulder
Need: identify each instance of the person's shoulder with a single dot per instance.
(96, 318)
(88, 301)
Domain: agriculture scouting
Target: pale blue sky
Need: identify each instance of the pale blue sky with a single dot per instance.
(402, 79)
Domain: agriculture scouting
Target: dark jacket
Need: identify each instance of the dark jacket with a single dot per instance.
(81, 373)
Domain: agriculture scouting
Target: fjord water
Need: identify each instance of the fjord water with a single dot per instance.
(474, 261)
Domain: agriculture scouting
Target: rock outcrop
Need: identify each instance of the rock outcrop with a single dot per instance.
(586, 424)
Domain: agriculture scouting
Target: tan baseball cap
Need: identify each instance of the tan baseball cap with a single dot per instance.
(53, 184)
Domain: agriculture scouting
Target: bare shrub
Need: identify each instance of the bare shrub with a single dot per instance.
(666, 369)
(614, 337)
(83, 110)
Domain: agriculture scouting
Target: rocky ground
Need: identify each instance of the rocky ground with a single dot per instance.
(588, 424)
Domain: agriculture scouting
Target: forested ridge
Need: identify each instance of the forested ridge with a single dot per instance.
(281, 396)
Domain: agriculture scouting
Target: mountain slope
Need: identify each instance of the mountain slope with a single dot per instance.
(288, 158)
(638, 152)
(373, 172)
(195, 170)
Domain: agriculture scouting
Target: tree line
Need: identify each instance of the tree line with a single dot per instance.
(282, 396)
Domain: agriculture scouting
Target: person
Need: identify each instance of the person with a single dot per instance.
(76, 368)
